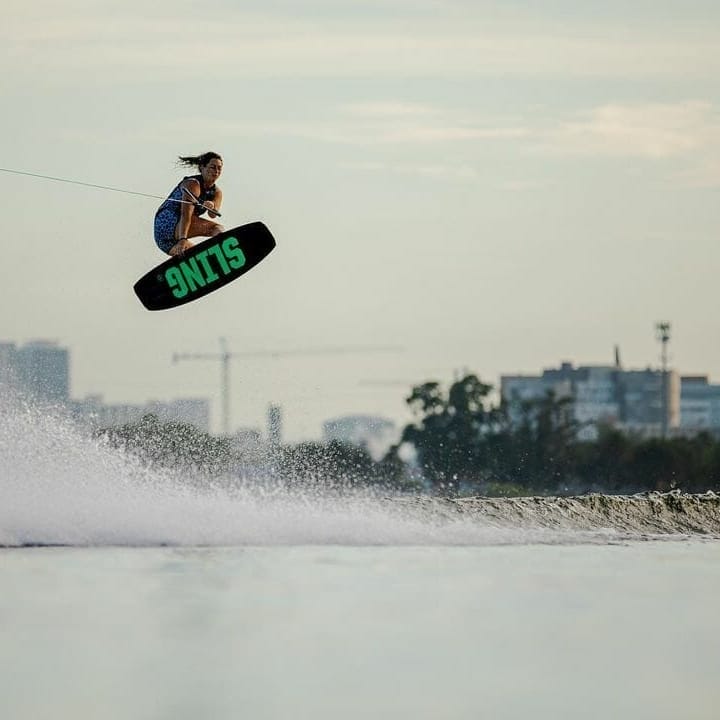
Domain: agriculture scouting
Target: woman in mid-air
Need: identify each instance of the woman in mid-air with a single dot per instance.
(179, 217)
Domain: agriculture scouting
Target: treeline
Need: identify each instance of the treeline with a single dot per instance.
(463, 444)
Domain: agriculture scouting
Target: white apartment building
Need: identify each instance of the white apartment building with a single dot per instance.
(94, 412)
(699, 404)
(40, 368)
(602, 394)
(375, 434)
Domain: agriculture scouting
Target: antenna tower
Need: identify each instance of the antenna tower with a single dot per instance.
(662, 330)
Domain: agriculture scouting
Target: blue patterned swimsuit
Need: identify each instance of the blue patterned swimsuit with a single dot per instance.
(168, 214)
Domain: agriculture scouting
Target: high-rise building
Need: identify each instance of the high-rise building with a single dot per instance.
(40, 368)
(274, 425)
(8, 363)
(375, 434)
(95, 413)
(193, 411)
(699, 404)
(628, 399)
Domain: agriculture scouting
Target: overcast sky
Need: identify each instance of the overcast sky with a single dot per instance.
(491, 186)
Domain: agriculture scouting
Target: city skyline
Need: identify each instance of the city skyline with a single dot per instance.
(693, 399)
(486, 185)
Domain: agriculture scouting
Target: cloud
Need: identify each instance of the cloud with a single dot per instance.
(78, 41)
(382, 123)
(685, 135)
(386, 109)
(437, 171)
(650, 130)
(397, 122)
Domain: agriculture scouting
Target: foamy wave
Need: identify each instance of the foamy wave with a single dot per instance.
(654, 513)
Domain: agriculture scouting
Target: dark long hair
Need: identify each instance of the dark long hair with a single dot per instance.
(198, 160)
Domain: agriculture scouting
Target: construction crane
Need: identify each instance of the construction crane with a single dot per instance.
(225, 356)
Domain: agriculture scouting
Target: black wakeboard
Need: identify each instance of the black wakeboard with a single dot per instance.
(205, 267)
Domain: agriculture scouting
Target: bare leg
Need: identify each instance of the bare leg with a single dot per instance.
(199, 227)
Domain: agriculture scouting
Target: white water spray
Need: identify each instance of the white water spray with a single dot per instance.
(59, 485)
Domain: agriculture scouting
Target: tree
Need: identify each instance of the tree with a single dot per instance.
(173, 445)
(332, 465)
(448, 430)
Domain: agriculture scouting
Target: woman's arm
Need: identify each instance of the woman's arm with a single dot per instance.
(186, 209)
(214, 205)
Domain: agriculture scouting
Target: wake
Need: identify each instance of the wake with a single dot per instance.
(61, 486)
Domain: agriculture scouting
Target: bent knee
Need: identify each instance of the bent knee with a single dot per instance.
(218, 229)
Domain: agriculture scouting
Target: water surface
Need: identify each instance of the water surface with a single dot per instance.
(326, 632)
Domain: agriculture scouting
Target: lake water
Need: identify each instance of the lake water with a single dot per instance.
(125, 594)
(328, 632)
